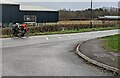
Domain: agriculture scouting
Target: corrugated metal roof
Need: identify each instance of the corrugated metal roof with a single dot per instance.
(27, 7)
(7, 2)
(110, 17)
(34, 8)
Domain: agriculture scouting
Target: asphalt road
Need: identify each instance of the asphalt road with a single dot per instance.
(49, 55)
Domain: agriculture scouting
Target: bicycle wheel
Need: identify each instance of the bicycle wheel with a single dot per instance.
(26, 34)
(20, 34)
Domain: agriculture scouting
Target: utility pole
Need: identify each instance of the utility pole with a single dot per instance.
(91, 15)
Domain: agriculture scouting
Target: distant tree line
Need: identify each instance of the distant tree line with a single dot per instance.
(65, 14)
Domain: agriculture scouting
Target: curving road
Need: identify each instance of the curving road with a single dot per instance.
(49, 55)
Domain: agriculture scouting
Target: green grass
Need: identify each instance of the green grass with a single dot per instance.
(73, 31)
(112, 43)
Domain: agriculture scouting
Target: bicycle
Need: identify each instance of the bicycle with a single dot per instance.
(19, 32)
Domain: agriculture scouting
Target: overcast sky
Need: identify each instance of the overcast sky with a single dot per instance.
(66, 0)
(72, 4)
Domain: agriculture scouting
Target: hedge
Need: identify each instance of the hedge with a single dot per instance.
(53, 28)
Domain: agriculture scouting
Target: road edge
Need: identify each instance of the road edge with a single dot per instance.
(94, 62)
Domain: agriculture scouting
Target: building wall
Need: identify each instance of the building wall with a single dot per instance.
(12, 14)
(0, 14)
(42, 16)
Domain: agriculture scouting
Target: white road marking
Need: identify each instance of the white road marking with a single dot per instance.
(69, 36)
(47, 38)
(59, 37)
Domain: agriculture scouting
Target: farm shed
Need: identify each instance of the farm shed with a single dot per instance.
(11, 12)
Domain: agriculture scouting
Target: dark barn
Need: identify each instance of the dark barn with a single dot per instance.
(16, 13)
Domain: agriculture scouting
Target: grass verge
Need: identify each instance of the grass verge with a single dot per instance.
(112, 43)
(73, 31)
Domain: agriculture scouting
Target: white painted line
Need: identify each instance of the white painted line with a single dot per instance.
(59, 37)
(69, 36)
(47, 38)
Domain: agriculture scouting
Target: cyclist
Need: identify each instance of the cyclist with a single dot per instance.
(19, 30)
(15, 29)
(24, 29)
